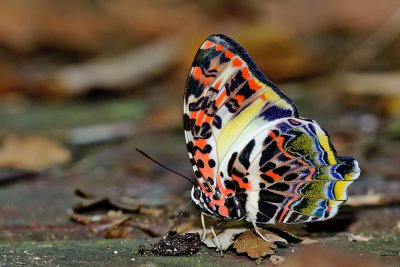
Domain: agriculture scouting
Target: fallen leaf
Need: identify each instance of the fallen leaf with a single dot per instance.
(146, 63)
(359, 238)
(277, 260)
(226, 238)
(91, 201)
(253, 246)
(109, 221)
(79, 218)
(31, 152)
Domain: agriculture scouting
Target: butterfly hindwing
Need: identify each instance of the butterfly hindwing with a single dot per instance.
(294, 174)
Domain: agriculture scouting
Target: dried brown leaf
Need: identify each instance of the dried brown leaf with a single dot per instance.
(253, 246)
(226, 237)
(91, 201)
(79, 218)
(31, 152)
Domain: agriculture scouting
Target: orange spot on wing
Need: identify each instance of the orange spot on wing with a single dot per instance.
(273, 175)
(240, 98)
(245, 73)
(199, 119)
(201, 143)
(219, 47)
(207, 44)
(216, 86)
(279, 141)
(220, 98)
(237, 62)
(214, 202)
(253, 85)
(263, 97)
(246, 186)
(223, 210)
(197, 73)
(208, 119)
(328, 209)
(207, 80)
(229, 54)
(206, 171)
(193, 115)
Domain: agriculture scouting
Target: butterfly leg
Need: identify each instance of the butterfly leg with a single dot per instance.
(219, 245)
(203, 223)
(257, 229)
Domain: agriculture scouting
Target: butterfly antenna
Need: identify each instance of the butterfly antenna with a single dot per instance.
(165, 167)
(180, 215)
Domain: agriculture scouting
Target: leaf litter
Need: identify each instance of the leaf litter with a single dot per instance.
(117, 217)
(118, 222)
(253, 245)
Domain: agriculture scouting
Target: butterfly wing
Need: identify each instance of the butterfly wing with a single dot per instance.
(225, 91)
(231, 110)
(293, 173)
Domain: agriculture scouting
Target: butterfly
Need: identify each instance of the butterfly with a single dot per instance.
(253, 156)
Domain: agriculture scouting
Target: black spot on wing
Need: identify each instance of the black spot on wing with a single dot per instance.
(234, 83)
(268, 153)
(244, 157)
(207, 149)
(211, 163)
(237, 172)
(217, 122)
(279, 187)
(267, 178)
(291, 177)
(200, 163)
(281, 170)
(267, 167)
(230, 163)
(186, 122)
(229, 185)
(266, 211)
(232, 105)
(269, 196)
(205, 131)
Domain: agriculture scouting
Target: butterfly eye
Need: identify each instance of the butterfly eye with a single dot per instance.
(197, 193)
